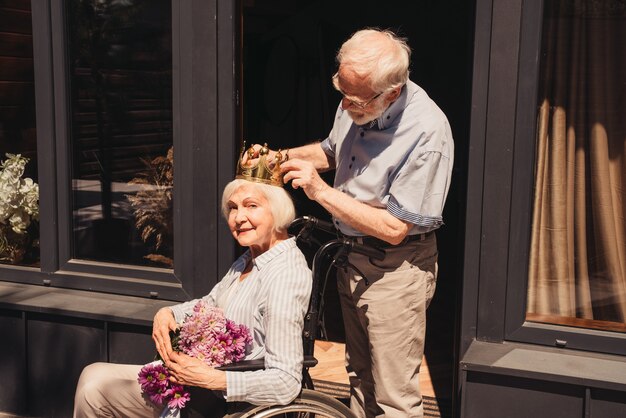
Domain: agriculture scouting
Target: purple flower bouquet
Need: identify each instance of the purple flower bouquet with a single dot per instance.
(205, 334)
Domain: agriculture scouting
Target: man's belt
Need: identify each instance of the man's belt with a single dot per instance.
(379, 243)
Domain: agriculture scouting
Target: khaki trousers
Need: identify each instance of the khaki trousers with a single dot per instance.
(385, 325)
(112, 390)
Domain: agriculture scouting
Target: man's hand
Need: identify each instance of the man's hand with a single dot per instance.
(190, 371)
(303, 174)
(162, 324)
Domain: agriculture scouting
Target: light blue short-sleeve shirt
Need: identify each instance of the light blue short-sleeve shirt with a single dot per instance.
(402, 161)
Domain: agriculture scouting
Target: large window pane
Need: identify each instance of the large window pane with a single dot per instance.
(121, 117)
(19, 211)
(578, 251)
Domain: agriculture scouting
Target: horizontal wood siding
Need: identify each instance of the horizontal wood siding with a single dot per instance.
(17, 86)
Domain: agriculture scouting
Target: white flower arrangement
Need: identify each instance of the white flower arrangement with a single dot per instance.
(19, 207)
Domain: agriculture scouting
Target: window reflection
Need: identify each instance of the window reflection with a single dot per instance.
(578, 252)
(19, 193)
(121, 110)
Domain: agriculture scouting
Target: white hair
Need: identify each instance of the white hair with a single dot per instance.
(378, 55)
(281, 205)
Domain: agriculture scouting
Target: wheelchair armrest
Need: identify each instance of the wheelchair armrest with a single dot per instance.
(309, 361)
(244, 366)
(258, 364)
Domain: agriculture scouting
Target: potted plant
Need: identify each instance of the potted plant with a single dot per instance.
(19, 210)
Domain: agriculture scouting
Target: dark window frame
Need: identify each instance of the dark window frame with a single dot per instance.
(204, 48)
(500, 185)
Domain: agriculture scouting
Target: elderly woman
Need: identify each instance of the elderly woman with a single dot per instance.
(266, 289)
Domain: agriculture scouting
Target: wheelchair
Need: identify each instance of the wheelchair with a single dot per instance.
(331, 254)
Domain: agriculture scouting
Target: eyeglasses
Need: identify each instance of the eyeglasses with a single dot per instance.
(357, 103)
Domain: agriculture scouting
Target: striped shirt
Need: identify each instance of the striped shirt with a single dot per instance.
(402, 161)
(272, 302)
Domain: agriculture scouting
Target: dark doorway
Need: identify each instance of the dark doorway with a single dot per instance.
(288, 58)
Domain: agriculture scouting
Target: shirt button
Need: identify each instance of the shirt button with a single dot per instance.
(362, 133)
(388, 116)
(350, 166)
(353, 157)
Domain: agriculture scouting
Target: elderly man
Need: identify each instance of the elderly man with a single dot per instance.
(392, 149)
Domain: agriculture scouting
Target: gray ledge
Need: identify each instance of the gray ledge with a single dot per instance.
(547, 363)
(79, 303)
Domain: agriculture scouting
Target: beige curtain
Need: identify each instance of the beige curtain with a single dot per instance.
(578, 246)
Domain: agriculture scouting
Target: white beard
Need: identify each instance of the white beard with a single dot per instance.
(362, 118)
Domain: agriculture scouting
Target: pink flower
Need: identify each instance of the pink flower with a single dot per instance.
(159, 396)
(178, 397)
(225, 339)
(154, 380)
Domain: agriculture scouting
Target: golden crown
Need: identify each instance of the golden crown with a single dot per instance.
(263, 171)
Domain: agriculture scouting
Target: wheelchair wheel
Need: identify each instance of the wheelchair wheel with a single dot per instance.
(309, 404)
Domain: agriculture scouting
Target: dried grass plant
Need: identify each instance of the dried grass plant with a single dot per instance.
(153, 207)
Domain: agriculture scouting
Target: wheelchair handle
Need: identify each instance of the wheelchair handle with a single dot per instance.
(366, 250)
(313, 222)
(323, 225)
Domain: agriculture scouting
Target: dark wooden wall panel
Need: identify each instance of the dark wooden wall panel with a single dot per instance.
(58, 349)
(13, 362)
(606, 403)
(496, 396)
(130, 344)
(14, 20)
(17, 88)
(43, 356)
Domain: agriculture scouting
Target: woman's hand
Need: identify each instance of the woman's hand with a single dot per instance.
(187, 370)
(162, 324)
